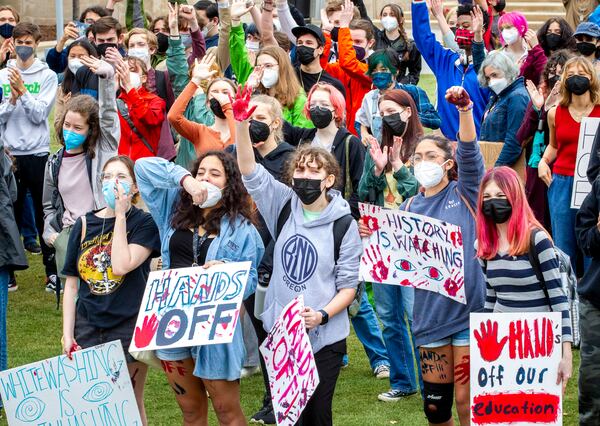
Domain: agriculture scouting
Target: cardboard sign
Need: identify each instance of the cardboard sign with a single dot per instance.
(92, 388)
(514, 366)
(413, 250)
(491, 151)
(290, 362)
(581, 184)
(190, 307)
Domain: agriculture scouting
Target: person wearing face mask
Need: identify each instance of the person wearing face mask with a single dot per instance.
(208, 19)
(383, 66)
(554, 35)
(580, 98)
(587, 35)
(495, 10)
(448, 196)
(9, 17)
(160, 28)
(218, 94)
(509, 242)
(72, 185)
(107, 265)
(29, 92)
(505, 111)
(141, 113)
(209, 205)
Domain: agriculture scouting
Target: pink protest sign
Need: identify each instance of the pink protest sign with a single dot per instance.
(410, 249)
(290, 362)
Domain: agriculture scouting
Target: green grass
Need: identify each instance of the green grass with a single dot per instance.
(34, 331)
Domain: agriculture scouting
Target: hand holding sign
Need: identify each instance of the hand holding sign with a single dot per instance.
(487, 341)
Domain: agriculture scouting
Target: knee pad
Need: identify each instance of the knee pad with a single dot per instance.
(438, 401)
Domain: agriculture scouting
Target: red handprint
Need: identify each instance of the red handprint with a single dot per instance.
(143, 336)
(240, 104)
(370, 222)
(452, 285)
(456, 237)
(487, 341)
(380, 269)
(462, 372)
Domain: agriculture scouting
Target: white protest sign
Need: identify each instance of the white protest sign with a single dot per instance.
(514, 366)
(413, 250)
(190, 307)
(290, 362)
(581, 184)
(92, 388)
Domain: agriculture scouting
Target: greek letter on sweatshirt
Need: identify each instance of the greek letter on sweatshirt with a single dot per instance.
(24, 126)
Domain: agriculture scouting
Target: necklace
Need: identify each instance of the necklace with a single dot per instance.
(302, 80)
(197, 244)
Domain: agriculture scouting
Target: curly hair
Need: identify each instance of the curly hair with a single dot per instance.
(567, 41)
(306, 154)
(87, 107)
(235, 201)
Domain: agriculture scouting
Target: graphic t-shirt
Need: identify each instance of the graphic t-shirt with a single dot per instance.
(106, 299)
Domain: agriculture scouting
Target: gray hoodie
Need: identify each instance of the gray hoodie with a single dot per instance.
(24, 126)
(303, 260)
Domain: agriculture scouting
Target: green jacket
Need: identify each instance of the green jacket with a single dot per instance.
(406, 184)
(242, 68)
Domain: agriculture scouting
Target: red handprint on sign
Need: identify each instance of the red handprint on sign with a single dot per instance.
(487, 341)
(143, 336)
(380, 267)
(368, 218)
(240, 104)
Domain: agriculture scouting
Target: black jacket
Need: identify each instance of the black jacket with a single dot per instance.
(594, 163)
(588, 238)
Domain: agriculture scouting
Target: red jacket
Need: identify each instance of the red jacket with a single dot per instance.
(147, 112)
(350, 71)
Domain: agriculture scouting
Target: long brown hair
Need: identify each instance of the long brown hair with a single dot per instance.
(235, 201)
(414, 130)
(288, 87)
(87, 107)
(588, 67)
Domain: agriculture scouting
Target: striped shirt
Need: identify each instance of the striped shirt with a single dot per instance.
(512, 285)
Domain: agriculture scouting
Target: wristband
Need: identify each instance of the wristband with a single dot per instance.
(466, 108)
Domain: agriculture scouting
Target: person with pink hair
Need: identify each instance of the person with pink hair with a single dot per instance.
(509, 237)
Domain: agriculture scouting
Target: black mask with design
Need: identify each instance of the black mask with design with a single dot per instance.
(163, 42)
(497, 209)
(101, 48)
(321, 117)
(305, 54)
(215, 107)
(585, 48)
(395, 124)
(308, 190)
(259, 131)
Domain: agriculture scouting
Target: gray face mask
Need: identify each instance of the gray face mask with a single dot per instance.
(24, 52)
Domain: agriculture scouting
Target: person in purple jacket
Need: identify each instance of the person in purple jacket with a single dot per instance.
(440, 324)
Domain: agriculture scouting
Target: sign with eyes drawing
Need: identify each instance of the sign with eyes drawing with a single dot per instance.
(412, 250)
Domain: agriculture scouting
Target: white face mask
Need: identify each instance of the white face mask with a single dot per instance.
(214, 195)
(389, 23)
(497, 85)
(277, 24)
(140, 52)
(510, 35)
(270, 77)
(429, 174)
(253, 46)
(135, 79)
(74, 64)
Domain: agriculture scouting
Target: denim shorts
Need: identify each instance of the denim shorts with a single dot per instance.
(462, 338)
(176, 354)
(88, 335)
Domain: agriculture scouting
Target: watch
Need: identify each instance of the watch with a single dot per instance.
(325, 315)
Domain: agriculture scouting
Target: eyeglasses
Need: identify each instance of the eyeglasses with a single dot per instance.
(430, 156)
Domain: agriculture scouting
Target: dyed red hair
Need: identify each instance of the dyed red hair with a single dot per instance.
(337, 101)
(522, 220)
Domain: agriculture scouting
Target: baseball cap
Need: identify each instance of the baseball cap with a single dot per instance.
(309, 29)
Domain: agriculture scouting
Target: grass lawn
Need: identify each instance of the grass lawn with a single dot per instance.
(34, 331)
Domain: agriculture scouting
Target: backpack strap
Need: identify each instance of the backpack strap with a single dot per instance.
(535, 264)
(340, 227)
(83, 228)
(348, 184)
(466, 202)
(284, 215)
(124, 111)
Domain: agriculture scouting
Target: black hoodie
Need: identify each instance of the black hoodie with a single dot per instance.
(588, 238)
(594, 163)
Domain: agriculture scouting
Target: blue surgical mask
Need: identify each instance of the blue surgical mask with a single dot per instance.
(73, 139)
(382, 80)
(24, 52)
(6, 30)
(109, 187)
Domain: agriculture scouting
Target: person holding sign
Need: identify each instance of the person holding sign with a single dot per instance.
(440, 324)
(517, 255)
(107, 265)
(205, 217)
(580, 98)
(305, 261)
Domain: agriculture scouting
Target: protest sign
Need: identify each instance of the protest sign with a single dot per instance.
(92, 388)
(514, 366)
(581, 184)
(413, 250)
(290, 362)
(190, 307)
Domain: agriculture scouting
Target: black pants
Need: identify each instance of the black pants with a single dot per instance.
(329, 363)
(30, 176)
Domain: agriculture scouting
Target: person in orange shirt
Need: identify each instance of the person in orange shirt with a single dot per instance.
(141, 113)
(219, 93)
(355, 41)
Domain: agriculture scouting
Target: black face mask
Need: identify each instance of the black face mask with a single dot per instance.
(497, 209)
(305, 54)
(101, 48)
(395, 124)
(553, 41)
(578, 84)
(586, 48)
(308, 190)
(500, 5)
(321, 117)
(215, 107)
(163, 42)
(259, 131)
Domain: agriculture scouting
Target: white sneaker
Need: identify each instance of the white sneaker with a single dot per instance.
(249, 371)
(382, 371)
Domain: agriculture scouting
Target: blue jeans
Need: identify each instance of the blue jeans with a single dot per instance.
(394, 306)
(368, 332)
(28, 229)
(4, 277)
